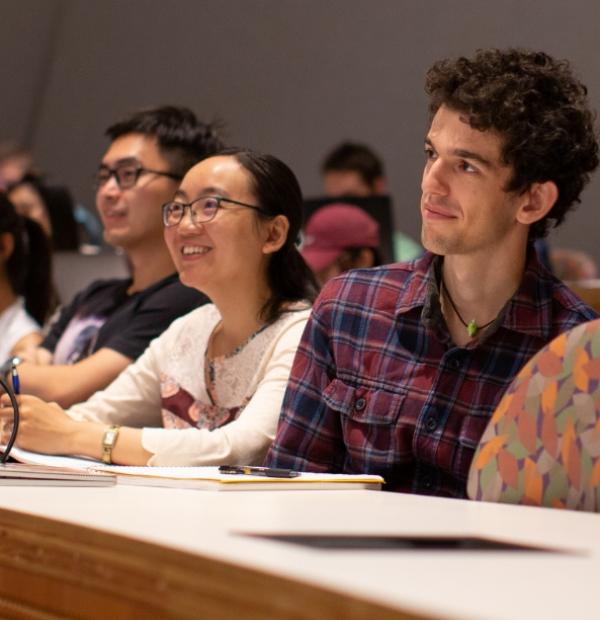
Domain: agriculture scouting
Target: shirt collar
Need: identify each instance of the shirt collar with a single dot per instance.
(420, 286)
(528, 311)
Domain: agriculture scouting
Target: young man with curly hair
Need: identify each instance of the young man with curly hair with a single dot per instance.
(401, 367)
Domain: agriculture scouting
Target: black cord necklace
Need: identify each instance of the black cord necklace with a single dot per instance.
(472, 327)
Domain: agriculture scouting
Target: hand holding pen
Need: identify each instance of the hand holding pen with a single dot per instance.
(16, 385)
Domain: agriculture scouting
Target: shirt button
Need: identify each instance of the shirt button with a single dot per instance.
(431, 423)
(426, 481)
(360, 404)
(455, 363)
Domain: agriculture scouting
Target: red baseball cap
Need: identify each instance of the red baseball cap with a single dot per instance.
(335, 228)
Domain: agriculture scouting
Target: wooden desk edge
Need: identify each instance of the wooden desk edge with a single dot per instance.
(52, 569)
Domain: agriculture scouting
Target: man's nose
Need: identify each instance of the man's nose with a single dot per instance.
(434, 177)
(110, 188)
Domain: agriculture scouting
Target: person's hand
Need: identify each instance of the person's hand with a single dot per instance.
(34, 355)
(43, 427)
(29, 350)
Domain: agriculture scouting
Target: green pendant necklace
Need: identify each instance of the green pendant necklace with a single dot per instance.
(472, 327)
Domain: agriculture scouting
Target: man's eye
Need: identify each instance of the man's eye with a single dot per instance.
(127, 173)
(467, 167)
(429, 153)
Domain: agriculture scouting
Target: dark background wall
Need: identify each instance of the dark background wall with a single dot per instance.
(292, 77)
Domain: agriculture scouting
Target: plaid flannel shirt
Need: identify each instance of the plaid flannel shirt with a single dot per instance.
(379, 387)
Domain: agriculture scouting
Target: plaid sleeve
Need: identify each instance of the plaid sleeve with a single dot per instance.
(309, 436)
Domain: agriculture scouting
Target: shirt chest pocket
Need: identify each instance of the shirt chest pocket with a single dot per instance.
(364, 405)
(368, 419)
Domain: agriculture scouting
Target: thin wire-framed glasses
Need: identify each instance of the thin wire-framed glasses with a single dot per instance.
(127, 175)
(202, 209)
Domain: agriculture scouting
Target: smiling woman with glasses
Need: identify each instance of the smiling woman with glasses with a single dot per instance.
(209, 390)
(201, 210)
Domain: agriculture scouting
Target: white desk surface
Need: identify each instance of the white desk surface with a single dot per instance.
(445, 584)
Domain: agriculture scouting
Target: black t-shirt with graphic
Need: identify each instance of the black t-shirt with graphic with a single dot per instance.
(105, 315)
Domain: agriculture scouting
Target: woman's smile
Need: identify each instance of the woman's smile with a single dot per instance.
(194, 250)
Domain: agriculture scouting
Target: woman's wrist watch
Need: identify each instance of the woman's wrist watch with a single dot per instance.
(109, 440)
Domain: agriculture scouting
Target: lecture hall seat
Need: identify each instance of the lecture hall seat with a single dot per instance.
(542, 444)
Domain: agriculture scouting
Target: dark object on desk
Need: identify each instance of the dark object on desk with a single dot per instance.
(249, 470)
(402, 543)
(379, 207)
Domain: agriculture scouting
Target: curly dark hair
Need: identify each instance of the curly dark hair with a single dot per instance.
(538, 107)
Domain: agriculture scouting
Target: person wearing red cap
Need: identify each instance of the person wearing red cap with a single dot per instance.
(339, 237)
(352, 169)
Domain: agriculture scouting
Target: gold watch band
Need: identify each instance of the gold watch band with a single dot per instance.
(109, 440)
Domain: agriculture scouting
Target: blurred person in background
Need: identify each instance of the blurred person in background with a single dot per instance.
(51, 207)
(353, 169)
(25, 281)
(572, 265)
(15, 162)
(339, 237)
(20, 176)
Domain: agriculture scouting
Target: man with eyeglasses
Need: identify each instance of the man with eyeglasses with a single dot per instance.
(110, 323)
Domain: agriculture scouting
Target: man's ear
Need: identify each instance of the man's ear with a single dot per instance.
(276, 233)
(539, 200)
(7, 245)
(366, 258)
(379, 186)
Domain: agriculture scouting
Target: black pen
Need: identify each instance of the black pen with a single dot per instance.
(15, 379)
(249, 470)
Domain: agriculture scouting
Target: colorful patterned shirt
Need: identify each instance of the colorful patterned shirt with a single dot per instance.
(379, 387)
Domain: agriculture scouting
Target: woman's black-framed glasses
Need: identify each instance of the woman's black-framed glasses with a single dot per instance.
(202, 209)
(127, 175)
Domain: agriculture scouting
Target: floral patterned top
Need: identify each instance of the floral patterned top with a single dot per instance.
(191, 415)
(226, 381)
